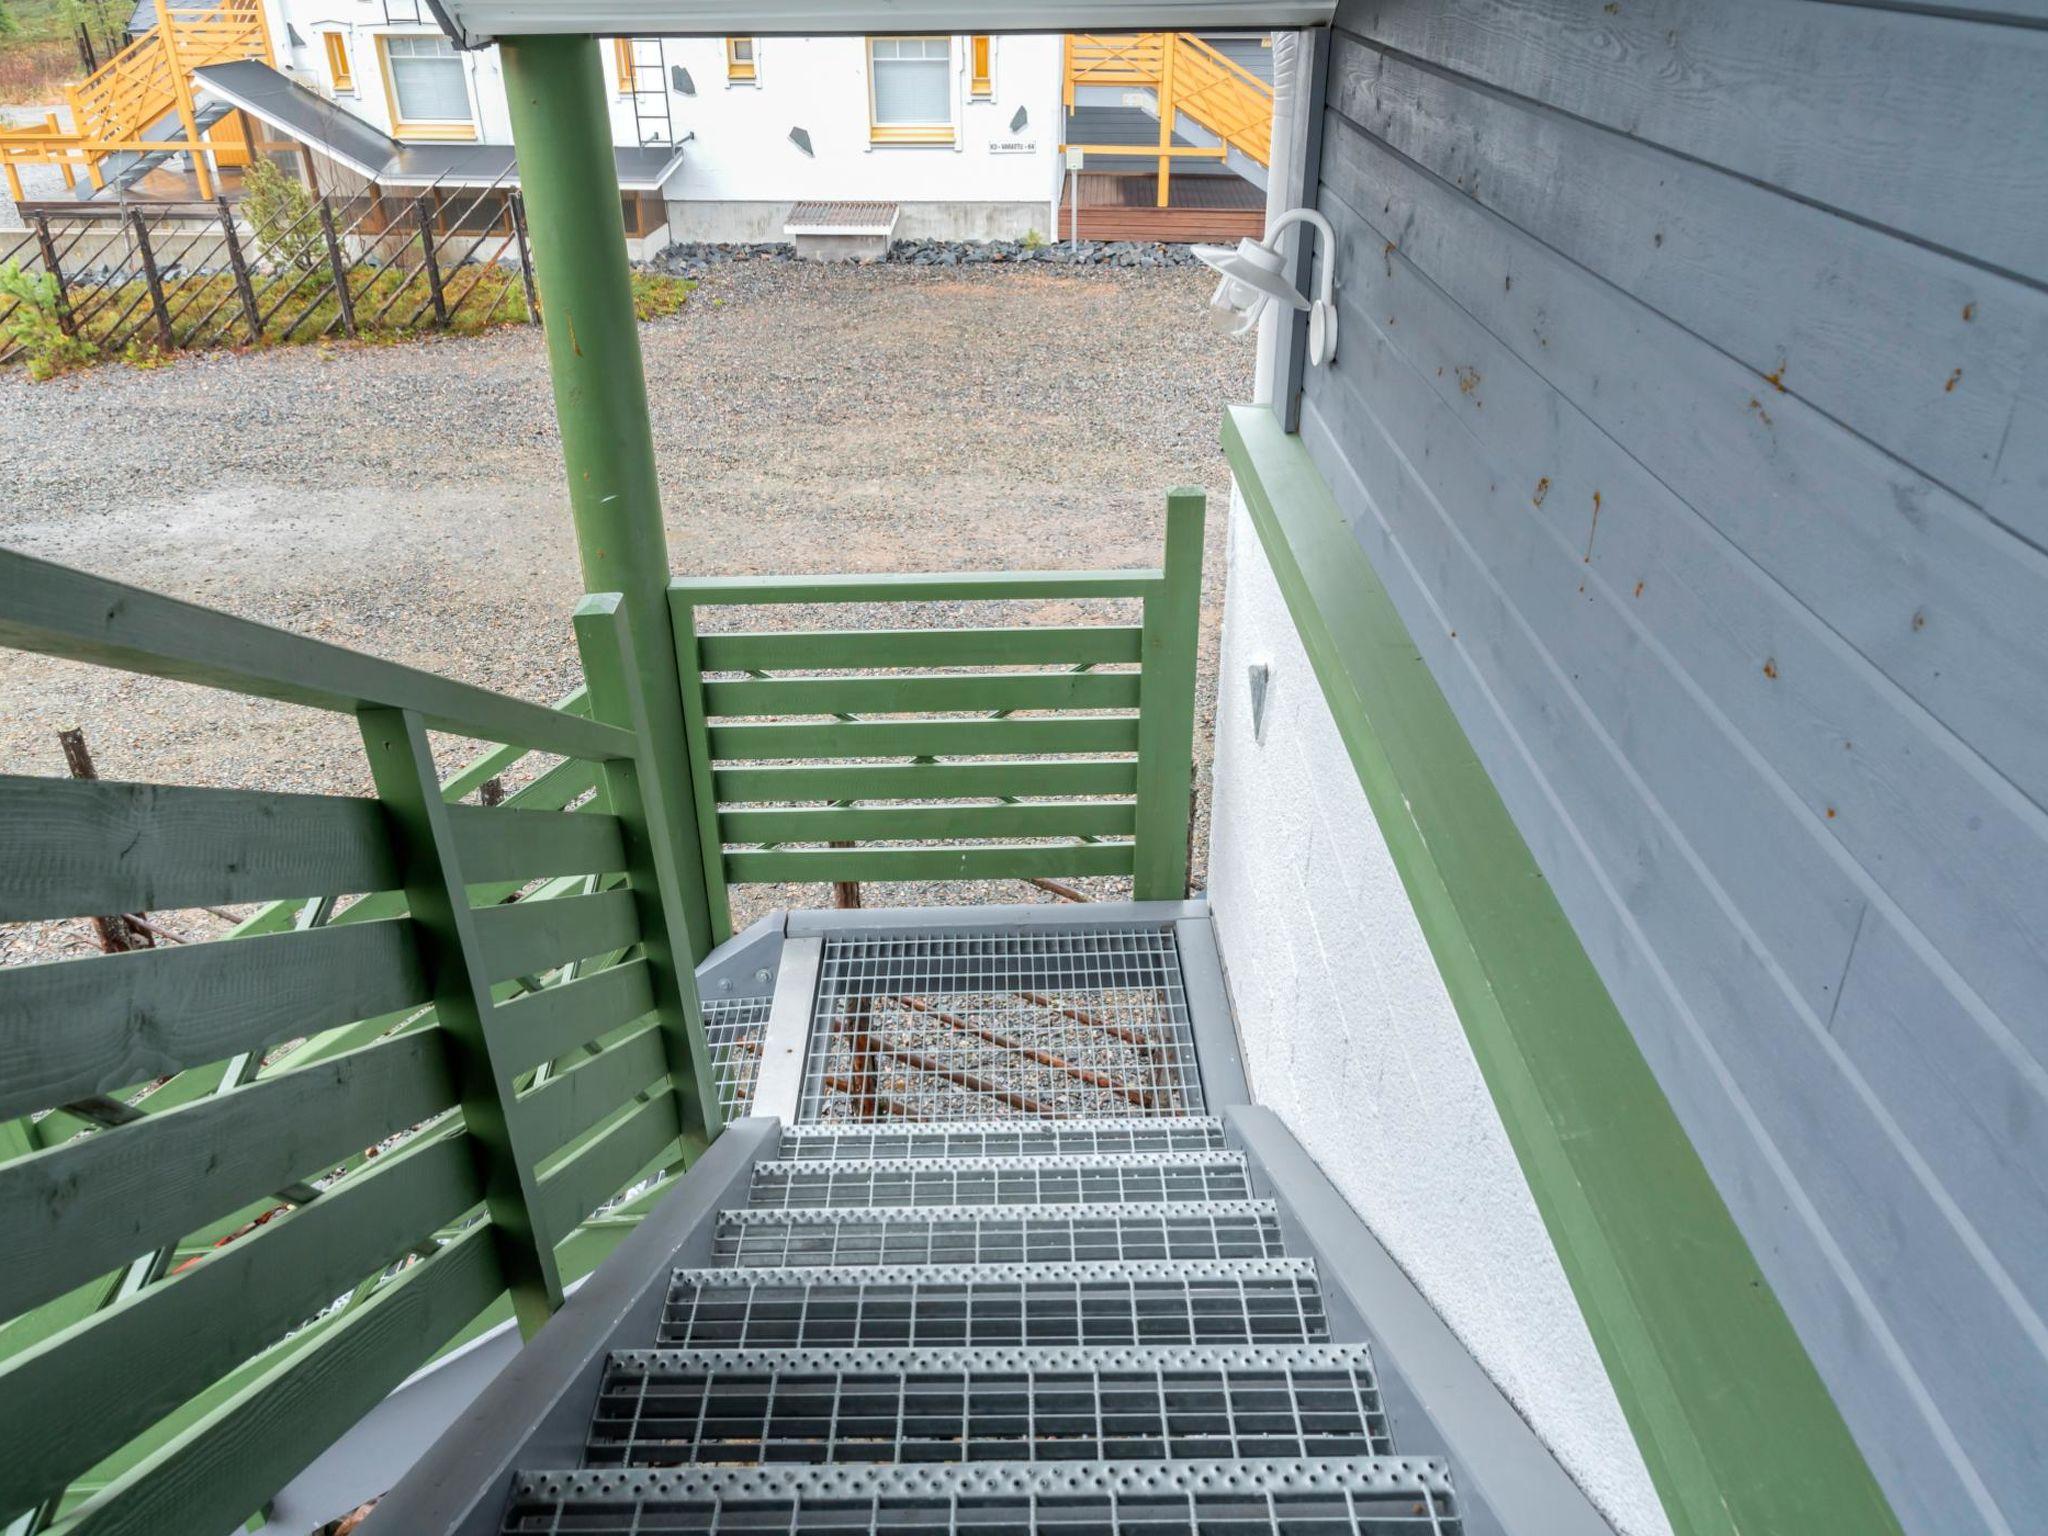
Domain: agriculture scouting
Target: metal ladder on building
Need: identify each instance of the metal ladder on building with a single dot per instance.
(1066, 1320)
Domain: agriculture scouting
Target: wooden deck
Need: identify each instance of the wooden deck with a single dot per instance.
(1124, 206)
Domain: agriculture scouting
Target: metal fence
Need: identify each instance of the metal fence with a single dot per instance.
(185, 276)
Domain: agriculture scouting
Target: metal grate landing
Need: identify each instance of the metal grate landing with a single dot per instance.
(1213, 1229)
(677, 1407)
(733, 1027)
(1234, 1301)
(1374, 1496)
(979, 1025)
(999, 1138)
(1119, 1178)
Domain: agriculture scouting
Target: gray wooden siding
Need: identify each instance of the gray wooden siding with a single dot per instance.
(1692, 400)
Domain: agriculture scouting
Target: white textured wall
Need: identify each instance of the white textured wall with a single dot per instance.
(1350, 1037)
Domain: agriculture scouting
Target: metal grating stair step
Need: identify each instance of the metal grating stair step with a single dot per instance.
(1000, 1234)
(1001, 1138)
(1379, 1496)
(1104, 1179)
(1224, 1301)
(665, 1407)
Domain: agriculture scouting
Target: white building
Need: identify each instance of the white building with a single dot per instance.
(961, 132)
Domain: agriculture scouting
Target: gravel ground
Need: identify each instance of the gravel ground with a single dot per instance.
(407, 500)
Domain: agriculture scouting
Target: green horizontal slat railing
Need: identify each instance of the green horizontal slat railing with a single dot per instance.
(1046, 778)
(1101, 646)
(922, 695)
(76, 1211)
(1073, 756)
(539, 1027)
(78, 847)
(132, 1018)
(922, 738)
(171, 1341)
(929, 823)
(203, 1146)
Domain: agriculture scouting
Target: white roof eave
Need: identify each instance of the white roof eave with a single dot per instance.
(478, 22)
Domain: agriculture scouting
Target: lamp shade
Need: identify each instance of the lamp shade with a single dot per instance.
(1254, 267)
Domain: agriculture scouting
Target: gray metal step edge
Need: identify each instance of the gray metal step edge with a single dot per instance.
(823, 1215)
(974, 1274)
(1066, 1357)
(941, 1128)
(790, 1167)
(1414, 1475)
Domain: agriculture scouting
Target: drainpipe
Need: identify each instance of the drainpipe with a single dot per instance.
(562, 132)
(1280, 196)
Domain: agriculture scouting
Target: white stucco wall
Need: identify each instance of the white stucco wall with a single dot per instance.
(1350, 1037)
(990, 181)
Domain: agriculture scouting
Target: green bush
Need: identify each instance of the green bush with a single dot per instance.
(35, 324)
(280, 211)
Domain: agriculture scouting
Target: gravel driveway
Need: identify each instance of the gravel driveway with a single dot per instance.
(407, 500)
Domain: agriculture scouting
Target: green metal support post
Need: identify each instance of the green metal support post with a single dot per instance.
(570, 185)
(569, 182)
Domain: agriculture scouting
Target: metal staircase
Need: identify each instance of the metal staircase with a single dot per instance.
(1088, 1320)
(1206, 105)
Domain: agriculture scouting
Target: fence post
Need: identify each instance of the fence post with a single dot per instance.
(344, 300)
(149, 276)
(433, 266)
(437, 899)
(658, 826)
(243, 287)
(1166, 706)
(48, 247)
(518, 206)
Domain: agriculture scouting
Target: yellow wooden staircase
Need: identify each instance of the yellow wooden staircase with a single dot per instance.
(140, 102)
(1188, 79)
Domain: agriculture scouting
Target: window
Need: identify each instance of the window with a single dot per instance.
(622, 64)
(428, 86)
(338, 71)
(980, 77)
(739, 59)
(910, 89)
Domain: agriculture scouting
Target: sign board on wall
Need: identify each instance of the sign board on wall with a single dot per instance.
(1013, 146)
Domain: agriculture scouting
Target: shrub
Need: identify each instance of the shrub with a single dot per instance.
(280, 211)
(35, 323)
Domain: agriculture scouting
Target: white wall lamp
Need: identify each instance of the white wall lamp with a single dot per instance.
(1252, 278)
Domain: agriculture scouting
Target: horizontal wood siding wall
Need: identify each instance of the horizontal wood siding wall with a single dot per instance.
(1692, 402)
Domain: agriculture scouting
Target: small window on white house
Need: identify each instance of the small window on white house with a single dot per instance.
(740, 63)
(429, 90)
(339, 70)
(910, 87)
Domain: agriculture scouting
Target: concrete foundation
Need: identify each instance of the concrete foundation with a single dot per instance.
(761, 223)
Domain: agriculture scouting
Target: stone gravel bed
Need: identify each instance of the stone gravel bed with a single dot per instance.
(408, 500)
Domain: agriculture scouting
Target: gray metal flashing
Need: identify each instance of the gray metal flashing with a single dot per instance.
(1363, 1474)
(999, 1360)
(1217, 1057)
(745, 964)
(1434, 1391)
(539, 1406)
(1068, 915)
(779, 1087)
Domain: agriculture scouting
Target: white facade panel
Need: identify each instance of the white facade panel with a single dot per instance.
(1350, 1037)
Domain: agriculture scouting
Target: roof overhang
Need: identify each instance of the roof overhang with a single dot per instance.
(477, 22)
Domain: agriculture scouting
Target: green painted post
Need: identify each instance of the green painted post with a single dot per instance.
(570, 186)
(1166, 706)
(437, 898)
(658, 825)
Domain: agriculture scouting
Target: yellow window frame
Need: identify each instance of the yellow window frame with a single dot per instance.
(743, 70)
(340, 72)
(622, 64)
(909, 133)
(981, 66)
(447, 131)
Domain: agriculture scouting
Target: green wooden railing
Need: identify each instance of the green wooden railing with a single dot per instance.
(207, 1284)
(946, 754)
